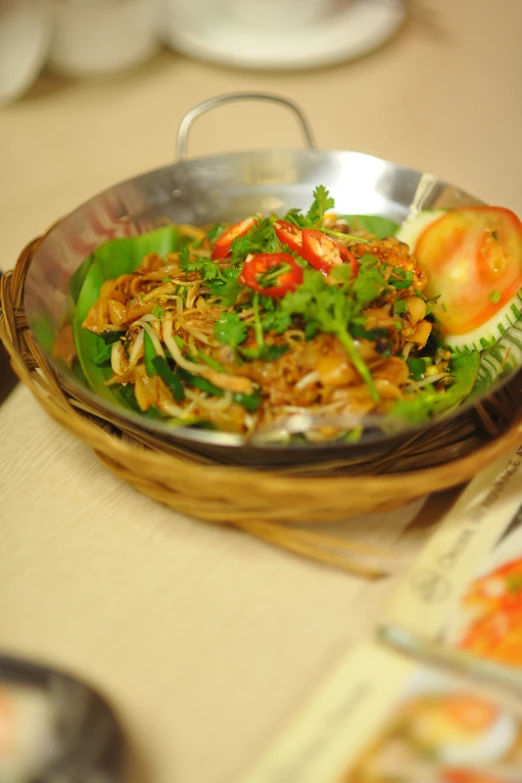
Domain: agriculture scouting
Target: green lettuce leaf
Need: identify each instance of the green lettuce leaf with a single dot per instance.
(381, 227)
(114, 258)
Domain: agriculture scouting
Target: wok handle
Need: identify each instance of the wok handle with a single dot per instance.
(220, 100)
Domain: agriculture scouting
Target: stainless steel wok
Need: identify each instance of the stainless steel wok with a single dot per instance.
(208, 189)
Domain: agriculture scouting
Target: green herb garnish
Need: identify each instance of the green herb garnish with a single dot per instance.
(370, 282)
(103, 355)
(400, 278)
(321, 203)
(230, 329)
(161, 368)
(149, 353)
(330, 309)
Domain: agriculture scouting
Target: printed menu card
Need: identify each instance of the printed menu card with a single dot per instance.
(383, 718)
(461, 602)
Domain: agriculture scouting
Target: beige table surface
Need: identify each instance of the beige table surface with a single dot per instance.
(204, 639)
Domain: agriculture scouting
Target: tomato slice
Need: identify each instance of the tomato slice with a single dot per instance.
(256, 273)
(223, 243)
(473, 257)
(325, 253)
(289, 235)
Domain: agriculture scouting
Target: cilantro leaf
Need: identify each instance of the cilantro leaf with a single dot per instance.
(295, 217)
(297, 301)
(370, 281)
(321, 203)
(222, 282)
(400, 306)
(276, 321)
(203, 266)
(184, 256)
(342, 273)
(241, 247)
(230, 330)
(331, 309)
(400, 278)
(226, 286)
(260, 239)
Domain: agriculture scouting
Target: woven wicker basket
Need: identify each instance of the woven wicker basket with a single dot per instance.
(267, 503)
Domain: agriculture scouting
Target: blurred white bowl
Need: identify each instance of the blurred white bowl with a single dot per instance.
(25, 29)
(100, 36)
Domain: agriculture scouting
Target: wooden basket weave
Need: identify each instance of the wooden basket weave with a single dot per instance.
(286, 505)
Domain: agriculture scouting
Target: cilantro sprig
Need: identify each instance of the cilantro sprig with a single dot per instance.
(222, 280)
(321, 203)
(315, 216)
(260, 239)
(370, 281)
(230, 329)
(330, 308)
(400, 278)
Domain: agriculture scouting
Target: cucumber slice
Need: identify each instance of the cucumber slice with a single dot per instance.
(494, 329)
(410, 230)
(500, 359)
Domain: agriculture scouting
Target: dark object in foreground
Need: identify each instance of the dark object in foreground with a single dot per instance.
(56, 728)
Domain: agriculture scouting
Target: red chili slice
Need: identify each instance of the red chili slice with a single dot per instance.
(289, 235)
(222, 246)
(257, 266)
(325, 253)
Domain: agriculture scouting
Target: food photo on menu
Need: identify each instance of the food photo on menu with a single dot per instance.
(443, 735)
(383, 718)
(488, 619)
(469, 582)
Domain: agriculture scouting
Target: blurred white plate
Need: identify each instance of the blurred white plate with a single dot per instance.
(25, 30)
(279, 35)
